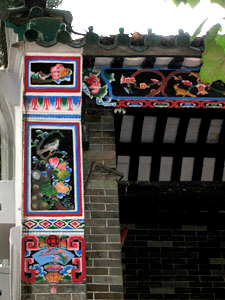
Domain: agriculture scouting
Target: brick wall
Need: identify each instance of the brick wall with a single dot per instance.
(102, 233)
(64, 292)
(174, 261)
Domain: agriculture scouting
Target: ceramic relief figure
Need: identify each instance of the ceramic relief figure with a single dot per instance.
(51, 172)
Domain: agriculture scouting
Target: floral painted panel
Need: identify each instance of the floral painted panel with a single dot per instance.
(130, 87)
(52, 74)
(53, 258)
(52, 180)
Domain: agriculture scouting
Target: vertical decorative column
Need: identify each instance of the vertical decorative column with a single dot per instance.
(53, 214)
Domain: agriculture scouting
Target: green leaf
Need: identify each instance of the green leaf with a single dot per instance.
(220, 2)
(192, 3)
(198, 30)
(102, 92)
(209, 40)
(34, 75)
(39, 132)
(220, 40)
(213, 64)
(63, 174)
(47, 189)
(109, 77)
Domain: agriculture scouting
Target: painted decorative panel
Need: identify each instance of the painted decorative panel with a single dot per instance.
(52, 164)
(52, 74)
(53, 225)
(130, 87)
(50, 104)
(53, 259)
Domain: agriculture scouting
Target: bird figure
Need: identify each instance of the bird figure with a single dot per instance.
(43, 76)
(182, 92)
(49, 147)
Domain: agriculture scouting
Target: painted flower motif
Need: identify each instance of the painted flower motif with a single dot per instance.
(204, 83)
(127, 80)
(64, 72)
(187, 82)
(36, 174)
(56, 70)
(59, 73)
(57, 257)
(62, 166)
(143, 85)
(61, 187)
(155, 80)
(201, 89)
(54, 161)
(49, 167)
(60, 251)
(94, 82)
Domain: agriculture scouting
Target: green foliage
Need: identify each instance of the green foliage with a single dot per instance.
(48, 190)
(198, 30)
(213, 57)
(193, 3)
(220, 40)
(220, 2)
(213, 64)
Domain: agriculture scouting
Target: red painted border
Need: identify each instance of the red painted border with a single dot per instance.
(53, 90)
(56, 214)
(83, 276)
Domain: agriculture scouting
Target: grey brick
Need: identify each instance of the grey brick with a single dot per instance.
(116, 271)
(71, 288)
(104, 199)
(111, 192)
(113, 238)
(116, 288)
(105, 230)
(95, 191)
(96, 222)
(95, 207)
(97, 287)
(53, 297)
(160, 244)
(162, 291)
(27, 297)
(97, 254)
(112, 207)
(79, 297)
(108, 296)
(107, 263)
(194, 228)
(98, 271)
(102, 184)
(104, 215)
(108, 279)
(113, 223)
